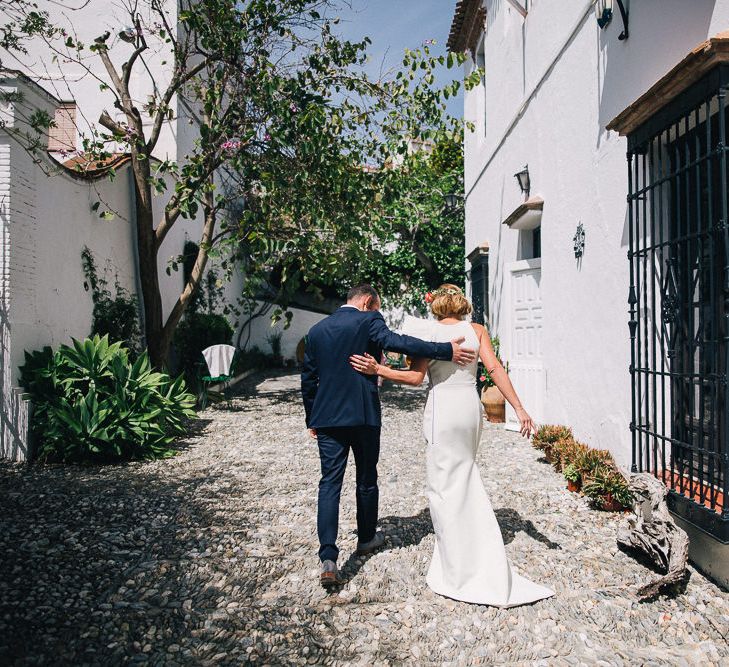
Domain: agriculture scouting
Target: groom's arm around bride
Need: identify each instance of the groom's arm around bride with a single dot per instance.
(343, 411)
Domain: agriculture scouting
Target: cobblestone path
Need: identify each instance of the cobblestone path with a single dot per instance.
(210, 558)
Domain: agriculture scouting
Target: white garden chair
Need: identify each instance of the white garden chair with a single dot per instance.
(219, 360)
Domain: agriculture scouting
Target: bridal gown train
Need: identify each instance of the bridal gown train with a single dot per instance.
(469, 561)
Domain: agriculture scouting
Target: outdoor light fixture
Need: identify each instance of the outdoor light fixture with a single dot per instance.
(451, 200)
(132, 33)
(128, 35)
(604, 14)
(523, 178)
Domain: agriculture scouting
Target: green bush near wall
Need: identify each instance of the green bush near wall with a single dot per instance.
(91, 404)
(196, 332)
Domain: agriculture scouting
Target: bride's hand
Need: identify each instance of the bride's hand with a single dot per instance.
(364, 363)
(526, 424)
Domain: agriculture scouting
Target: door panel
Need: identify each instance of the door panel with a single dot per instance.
(524, 351)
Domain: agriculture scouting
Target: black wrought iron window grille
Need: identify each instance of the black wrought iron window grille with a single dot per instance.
(678, 208)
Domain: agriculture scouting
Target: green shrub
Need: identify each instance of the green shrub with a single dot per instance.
(274, 340)
(606, 480)
(571, 473)
(114, 315)
(91, 404)
(549, 434)
(589, 460)
(566, 451)
(195, 333)
(251, 358)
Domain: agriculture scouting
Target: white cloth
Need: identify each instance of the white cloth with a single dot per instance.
(219, 358)
(469, 561)
(418, 327)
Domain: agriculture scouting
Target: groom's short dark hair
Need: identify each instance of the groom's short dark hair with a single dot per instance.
(363, 289)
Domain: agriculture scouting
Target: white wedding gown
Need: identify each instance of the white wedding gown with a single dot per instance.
(469, 561)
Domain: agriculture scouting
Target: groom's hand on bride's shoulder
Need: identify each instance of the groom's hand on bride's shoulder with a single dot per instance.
(461, 355)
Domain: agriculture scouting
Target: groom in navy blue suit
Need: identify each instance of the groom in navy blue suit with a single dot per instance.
(343, 411)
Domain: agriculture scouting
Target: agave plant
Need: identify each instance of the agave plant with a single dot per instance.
(548, 434)
(565, 451)
(587, 461)
(91, 403)
(606, 485)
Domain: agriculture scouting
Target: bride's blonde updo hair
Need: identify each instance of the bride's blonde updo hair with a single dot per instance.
(448, 301)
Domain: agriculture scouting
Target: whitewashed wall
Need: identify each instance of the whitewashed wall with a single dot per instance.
(301, 322)
(46, 222)
(553, 81)
(86, 21)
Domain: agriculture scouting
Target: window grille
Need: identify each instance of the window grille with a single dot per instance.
(678, 208)
(479, 289)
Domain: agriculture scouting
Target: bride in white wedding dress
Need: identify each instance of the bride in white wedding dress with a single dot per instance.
(469, 560)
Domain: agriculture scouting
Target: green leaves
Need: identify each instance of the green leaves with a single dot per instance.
(93, 405)
(295, 144)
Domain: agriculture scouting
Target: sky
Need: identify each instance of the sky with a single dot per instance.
(394, 25)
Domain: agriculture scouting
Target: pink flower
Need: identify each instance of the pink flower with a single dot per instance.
(293, 108)
(482, 378)
(267, 137)
(428, 297)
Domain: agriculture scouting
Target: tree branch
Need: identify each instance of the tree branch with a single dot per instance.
(178, 81)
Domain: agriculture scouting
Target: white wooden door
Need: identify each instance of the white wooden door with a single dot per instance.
(524, 348)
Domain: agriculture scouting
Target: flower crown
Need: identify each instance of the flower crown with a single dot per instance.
(441, 291)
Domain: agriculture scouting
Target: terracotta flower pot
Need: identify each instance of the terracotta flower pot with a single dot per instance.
(573, 486)
(494, 404)
(609, 504)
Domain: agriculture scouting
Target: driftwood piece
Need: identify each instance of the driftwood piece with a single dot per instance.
(650, 530)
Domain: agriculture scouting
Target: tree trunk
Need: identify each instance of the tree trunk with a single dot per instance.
(149, 278)
(167, 331)
(651, 531)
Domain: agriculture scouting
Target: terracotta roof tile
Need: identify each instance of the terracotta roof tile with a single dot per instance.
(467, 25)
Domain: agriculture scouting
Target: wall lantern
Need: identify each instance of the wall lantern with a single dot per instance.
(523, 178)
(128, 35)
(451, 200)
(604, 14)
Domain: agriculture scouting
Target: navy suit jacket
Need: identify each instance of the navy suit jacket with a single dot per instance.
(334, 393)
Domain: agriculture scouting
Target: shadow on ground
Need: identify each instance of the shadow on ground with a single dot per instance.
(137, 563)
(411, 530)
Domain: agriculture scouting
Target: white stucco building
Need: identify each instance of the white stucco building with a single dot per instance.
(552, 268)
(49, 210)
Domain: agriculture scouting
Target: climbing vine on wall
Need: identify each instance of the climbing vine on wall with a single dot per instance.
(116, 313)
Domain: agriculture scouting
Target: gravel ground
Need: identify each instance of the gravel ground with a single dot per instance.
(210, 558)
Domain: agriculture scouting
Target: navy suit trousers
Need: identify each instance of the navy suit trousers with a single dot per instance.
(334, 446)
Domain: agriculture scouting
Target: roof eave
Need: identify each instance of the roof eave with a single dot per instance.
(698, 62)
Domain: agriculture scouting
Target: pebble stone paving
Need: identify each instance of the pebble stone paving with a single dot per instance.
(210, 559)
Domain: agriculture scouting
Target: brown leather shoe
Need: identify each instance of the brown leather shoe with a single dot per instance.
(329, 574)
(364, 548)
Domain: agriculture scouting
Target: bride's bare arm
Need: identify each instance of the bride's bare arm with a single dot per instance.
(367, 364)
(501, 378)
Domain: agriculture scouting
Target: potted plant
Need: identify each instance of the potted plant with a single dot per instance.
(493, 400)
(572, 475)
(274, 340)
(588, 460)
(546, 437)
(608, 489)
(565, 451)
